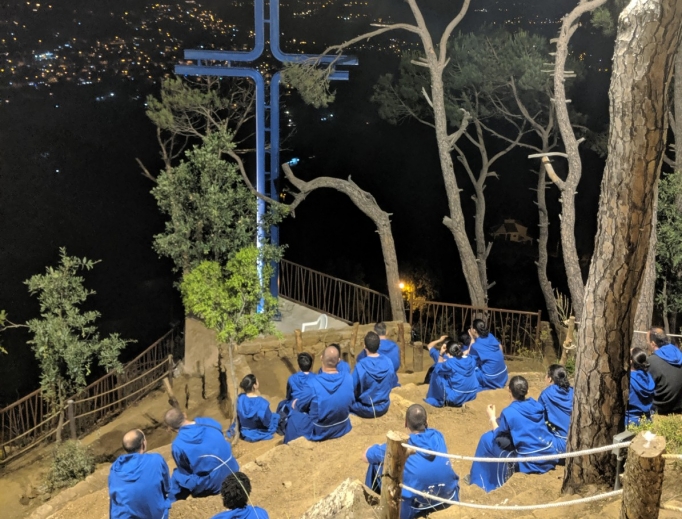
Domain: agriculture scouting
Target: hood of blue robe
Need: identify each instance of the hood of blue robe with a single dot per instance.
(642, 383)
(130, 467)
(196, 435)
(248, 512)
(530, 409)
(671, 354)
(249, 407)
(377, 368)
(560, 398)
(464, 366)
(558, 404)
(137, 486)
(330, 382)
(430, 439)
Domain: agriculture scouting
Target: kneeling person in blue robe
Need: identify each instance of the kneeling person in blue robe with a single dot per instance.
(295, 388)
(139, 482)
(256, 421)
(235, 492)
(373, 380)
(557, 400)
(520, 431)
(453, 381)
(486, 349)
(387, 347)
(426, 473)
(202, 455)
(323, 411)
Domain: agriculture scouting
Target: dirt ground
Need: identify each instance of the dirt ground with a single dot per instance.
(288, 479)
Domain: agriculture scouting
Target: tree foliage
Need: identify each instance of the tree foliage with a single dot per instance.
(311, 83)
(669, 247)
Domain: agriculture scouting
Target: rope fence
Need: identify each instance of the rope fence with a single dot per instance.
(672, 456)
(517, 508)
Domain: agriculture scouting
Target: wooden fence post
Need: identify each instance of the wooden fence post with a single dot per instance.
(401, 343)
(643, 478)
(417, 357)
(172, 401)
(72, 419)
(392, 477)
(170, 369)
(299, 341)
(353, 340)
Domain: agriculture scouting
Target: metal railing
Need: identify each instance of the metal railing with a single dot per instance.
(333, 296)
(515, 330)
(32, 420)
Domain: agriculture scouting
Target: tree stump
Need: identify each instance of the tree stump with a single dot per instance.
(299, 341)
(643, 478)
(401, 343)
(392, 478)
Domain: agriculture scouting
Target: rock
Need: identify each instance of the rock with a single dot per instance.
(351, 499)
(287, 484)
(43, 511)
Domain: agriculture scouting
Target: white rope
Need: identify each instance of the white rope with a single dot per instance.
(516, 507)
(547, 457)
(673, 456)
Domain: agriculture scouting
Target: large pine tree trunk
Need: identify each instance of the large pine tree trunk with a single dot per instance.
(648, 36)
(645, 305)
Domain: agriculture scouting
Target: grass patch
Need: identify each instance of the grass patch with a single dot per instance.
(670, 427)
(71, 462)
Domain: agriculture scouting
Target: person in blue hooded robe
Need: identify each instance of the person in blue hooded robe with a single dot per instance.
(256, 421)
(203, 457)
(235, 491)
(557, 399)
(295, 388)
(373, 380)
(323, 411)
(642, 387)
(454, 381)
(426, 473)
(491, 370)
(387, 347)
(520, 431)
(665, 367)
(139, 482)
(342, 366)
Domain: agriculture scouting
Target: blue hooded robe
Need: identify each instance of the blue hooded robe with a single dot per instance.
(424, 472)
(387, 348)
(248, 512)
(323, 411)
(203, 457)
(491, 369)
(453, 382)
(558, 404)
(138, 487)
(522, 431)
(256, 421)
(373, 380)
(295, 387)
(642, 387)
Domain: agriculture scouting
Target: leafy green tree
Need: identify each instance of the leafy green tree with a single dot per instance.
(65, 339)
(234, 300)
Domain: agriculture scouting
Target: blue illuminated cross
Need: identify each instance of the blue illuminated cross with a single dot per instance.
(266, 175)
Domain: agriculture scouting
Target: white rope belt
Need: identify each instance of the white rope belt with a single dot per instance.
(332, 425)
(575, 454)
(464, 392)
(516, 507)
(222, 463)
(496, 374)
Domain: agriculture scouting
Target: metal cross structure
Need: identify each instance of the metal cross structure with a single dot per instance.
(235, 64)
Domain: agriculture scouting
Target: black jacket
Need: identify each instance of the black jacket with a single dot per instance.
(668, 379)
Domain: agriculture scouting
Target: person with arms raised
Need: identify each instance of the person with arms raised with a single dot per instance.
(487, 351)
(387, 347)
(235, 492)
(256, 421)
(665, 367)
(139, 481)
(557, 399)
(453, 381)
(373, 380)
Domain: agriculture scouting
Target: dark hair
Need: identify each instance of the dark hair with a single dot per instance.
(416, 418)
(235, 490)
(559, 376)
(380, 328)
(454, 349)
(305, 361)
(174, 418)
(639, 359)
(518, 387)
(248, 382)
(480, 327)
(132, 441)
(372, 342)
(658, 336)
(465, 338)
(337, 346)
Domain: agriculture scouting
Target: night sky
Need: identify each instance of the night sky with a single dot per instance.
(73, 80)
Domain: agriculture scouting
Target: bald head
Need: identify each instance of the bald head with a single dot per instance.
(415, 418)
(657, 338)
(174, 418)
(330, 358)
(134, 441)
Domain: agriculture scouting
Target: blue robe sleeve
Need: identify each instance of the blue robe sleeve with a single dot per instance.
(357, 386)
(376, 453)
(434, 353)
(360, 356)
(303, 402)
(165, 479)
(503, 436)
(265, 416)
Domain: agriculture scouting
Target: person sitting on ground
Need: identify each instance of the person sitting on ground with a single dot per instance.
(235, 492)
(139, 482)
(387, 348)
(642, 387)
(435, 349)
(373, 380)
(557, 399)
(203, 457)
(665, 367)
(295, 386)
(454, 380)
(426, 473)
(465, 341)
(256, 421)
(322, 412)
(486, 349)
(521, 430)
(342, 366)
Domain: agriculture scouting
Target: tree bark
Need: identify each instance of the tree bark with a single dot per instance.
(645, 304)
(645, 464)
(648, 36)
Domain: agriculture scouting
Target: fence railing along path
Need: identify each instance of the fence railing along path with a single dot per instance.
(31, 420)
(333, 296)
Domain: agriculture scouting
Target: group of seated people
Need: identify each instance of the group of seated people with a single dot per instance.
(317, 407)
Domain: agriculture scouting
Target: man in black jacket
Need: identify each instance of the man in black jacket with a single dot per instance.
(665, 366)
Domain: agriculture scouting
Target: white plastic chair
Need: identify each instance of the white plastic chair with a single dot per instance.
(321, 323)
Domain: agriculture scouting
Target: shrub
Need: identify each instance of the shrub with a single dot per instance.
(670, 427)
(72, 462)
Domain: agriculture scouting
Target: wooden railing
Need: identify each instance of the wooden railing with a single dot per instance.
(31, 420)
(346, 301)
(516, 331)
